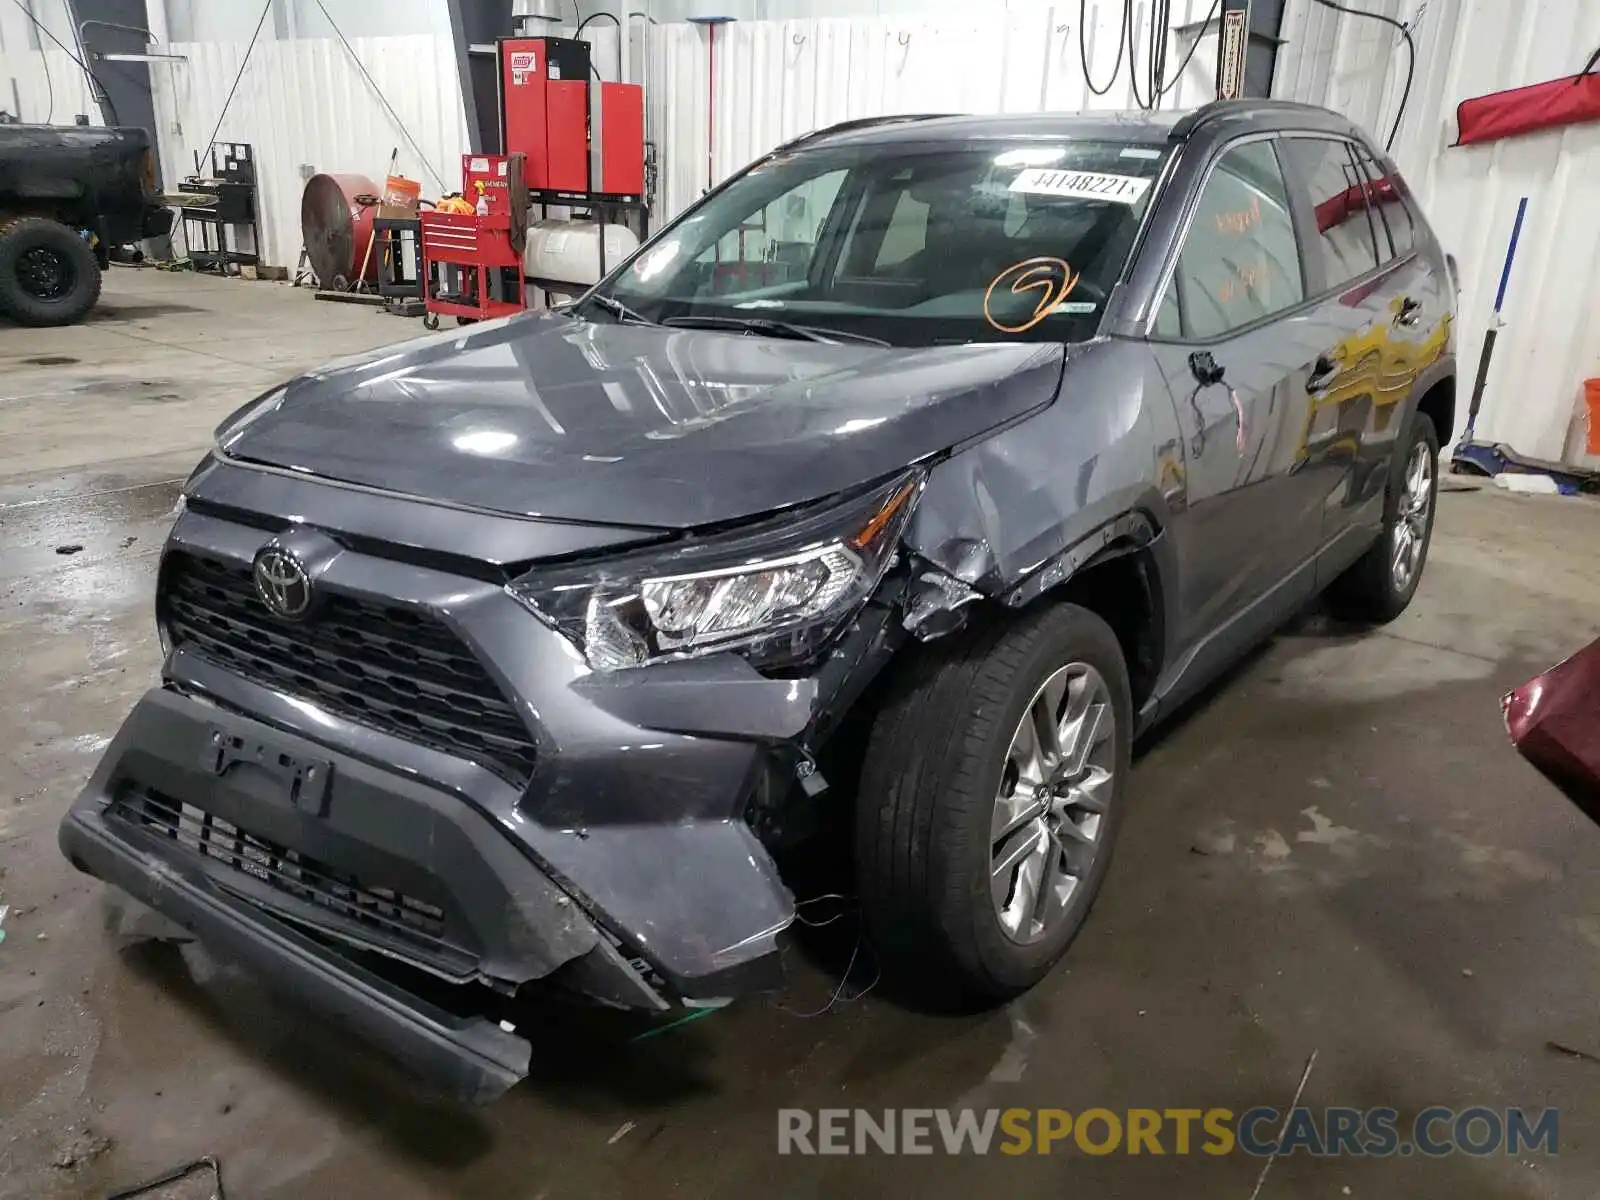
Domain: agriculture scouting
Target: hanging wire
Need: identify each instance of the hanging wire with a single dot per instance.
(841, 994)
(594, 70)
(96, 88)
(49, 88)
(1199, 37)
(826, 896)
(1411, 59)
(839, 997)
(1148, 83)
(382, 99)
(1130, 37)
(1160, 12)
(1083, 50)
(243, 63)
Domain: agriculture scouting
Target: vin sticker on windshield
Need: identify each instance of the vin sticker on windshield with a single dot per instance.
(1083, 185)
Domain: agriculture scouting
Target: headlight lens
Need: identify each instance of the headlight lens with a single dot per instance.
(776, 592)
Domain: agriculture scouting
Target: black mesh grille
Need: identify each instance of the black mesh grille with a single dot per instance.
(383, 913)
(386, 667)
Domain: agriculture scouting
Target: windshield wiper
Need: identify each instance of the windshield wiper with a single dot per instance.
(766, 325)
(619, 310)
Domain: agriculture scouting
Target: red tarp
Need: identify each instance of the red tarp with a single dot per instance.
(1341, 206)
(1568, 101)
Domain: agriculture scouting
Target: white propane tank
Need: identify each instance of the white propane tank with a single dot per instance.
(569, 251)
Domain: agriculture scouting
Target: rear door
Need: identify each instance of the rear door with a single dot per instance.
(1359, 378)
(1232, 343)
(1417, 298)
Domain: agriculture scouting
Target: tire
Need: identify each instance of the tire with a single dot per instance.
(938, 758)
(58, 292)
(1372, 590)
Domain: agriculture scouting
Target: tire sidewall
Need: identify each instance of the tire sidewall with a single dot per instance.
(26, 234)
(1420, 430)
(1070, 634)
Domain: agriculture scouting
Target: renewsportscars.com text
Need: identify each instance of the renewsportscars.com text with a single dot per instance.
(1262, 1132)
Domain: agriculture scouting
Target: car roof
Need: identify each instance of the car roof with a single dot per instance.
(1136, 125)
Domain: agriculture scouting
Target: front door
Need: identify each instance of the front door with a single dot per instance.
(1234, 344)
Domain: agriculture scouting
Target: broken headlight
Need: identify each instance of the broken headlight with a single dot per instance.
(775, 592)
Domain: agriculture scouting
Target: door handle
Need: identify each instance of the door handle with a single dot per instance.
(1323, 372)
(1207, 370)
(1410, 312)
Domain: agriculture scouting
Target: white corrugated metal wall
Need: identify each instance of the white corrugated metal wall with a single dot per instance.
(45, 87)
(1465, 48)
(304, 102)
(39, 82)
(777, 79)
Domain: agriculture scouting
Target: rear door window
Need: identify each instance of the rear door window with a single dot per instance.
(1344, 238)
(1389, 205)
(1239, 262)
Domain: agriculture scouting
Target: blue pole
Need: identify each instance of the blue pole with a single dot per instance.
(1494, 328)
(1511, 254)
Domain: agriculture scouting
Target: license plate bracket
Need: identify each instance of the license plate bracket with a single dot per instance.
(303, 781)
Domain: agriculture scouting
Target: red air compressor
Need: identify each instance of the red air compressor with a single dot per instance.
(579, 136)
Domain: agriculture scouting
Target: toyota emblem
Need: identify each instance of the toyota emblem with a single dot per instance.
(282, 583)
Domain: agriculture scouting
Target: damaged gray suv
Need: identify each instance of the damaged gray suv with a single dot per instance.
(507, 659)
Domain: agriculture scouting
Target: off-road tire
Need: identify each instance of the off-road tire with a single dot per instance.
(932, 771)
(18, 236)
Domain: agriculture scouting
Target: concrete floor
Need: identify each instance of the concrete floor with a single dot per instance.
(1338, 852)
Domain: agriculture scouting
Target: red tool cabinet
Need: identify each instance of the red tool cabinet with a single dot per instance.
(467, 258)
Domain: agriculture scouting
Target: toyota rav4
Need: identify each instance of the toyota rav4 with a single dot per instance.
(507, 658)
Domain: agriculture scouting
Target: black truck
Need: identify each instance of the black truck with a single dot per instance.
(68, 195)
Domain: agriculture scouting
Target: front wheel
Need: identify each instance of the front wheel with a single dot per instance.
(991, 796)
(1379, 586)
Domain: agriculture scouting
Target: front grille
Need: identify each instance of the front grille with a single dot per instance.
(384, 914)
(386, 667)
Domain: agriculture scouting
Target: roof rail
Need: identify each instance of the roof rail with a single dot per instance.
(860, 123)
(1225, 108)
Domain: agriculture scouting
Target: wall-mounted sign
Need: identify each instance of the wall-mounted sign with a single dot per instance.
(1235, 42)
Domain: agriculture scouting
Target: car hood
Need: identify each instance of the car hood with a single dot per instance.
(549, 416)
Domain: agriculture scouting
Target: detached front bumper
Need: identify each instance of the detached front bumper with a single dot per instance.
(410, 891)
(367, 896)
(471, 1058)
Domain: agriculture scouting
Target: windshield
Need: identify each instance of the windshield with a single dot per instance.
(907, 244)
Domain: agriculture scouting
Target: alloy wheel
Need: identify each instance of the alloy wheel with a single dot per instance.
(1055, 786)
(1409, 533)
(45, 274)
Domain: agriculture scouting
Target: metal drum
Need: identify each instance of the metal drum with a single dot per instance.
(337, 228)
